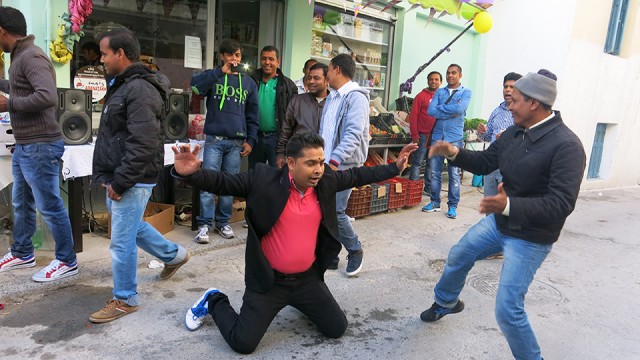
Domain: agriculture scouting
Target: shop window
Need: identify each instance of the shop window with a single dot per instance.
(254, 24)
(616, 27)
(366, 38)
(159, 25)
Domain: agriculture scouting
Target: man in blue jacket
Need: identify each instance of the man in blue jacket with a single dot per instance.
(449, 106)
(231, 129)
(542, 164)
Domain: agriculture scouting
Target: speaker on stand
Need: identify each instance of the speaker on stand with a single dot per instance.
(176, 121)
(74, 115)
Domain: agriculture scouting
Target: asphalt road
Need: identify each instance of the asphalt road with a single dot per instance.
(583, 303)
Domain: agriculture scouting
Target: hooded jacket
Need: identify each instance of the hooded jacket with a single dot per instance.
(237, 118)
(129, 149)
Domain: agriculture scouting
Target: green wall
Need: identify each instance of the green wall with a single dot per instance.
(297, 37)
(43, 18)
(415, 44)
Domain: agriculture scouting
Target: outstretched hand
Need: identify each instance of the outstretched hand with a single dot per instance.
(494, 204)
(186, 162)
(443, 148)
(403, 157)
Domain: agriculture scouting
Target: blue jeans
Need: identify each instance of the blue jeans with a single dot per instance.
(437, 163)
(521, 261)
(348, 237)
(36, 184)
(416, 160)
(219, 155)
(491, 182)
(128, 232)
(265, 150)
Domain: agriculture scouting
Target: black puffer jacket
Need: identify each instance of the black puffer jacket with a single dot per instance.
(129, 149)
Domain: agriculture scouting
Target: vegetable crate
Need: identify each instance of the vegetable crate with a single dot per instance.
(412, 191)
(396, 194)
(379, 198)
(359, 204)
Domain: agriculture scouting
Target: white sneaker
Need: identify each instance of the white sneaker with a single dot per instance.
(351, 219)
(10, 262)
(55, 271)
(203, 235)
(225, 231)
(196, 314)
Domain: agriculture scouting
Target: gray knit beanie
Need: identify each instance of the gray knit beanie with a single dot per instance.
(540, 86)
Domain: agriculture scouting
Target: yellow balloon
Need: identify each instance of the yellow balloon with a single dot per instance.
(483, 22)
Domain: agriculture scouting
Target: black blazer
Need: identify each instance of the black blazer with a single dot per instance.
(267, 191)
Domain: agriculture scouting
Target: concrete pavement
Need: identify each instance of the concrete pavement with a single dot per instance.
(583, 303)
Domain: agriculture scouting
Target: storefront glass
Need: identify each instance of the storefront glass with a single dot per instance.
(253, 23)
(159, 25)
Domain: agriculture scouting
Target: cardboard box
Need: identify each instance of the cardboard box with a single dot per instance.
(160, 216)
(237, 211)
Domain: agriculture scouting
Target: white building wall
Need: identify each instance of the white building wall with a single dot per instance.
(568, 38)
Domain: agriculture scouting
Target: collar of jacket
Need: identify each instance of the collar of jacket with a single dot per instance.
(540, 131)
(21, 44)
(257, 75)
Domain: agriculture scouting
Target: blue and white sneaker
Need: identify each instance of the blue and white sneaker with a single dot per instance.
(55, 271)
(10, 262)
(196, 314)
(431, 207)
(452, 214)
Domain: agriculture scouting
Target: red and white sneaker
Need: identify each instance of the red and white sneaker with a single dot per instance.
(55, 271)
(10, 262)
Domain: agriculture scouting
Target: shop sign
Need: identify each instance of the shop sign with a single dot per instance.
(91, 78)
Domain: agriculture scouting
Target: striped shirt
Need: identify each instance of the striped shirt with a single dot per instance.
(499, 120)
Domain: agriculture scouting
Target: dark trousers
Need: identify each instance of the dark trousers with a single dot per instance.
(265, 150)
(307, 293)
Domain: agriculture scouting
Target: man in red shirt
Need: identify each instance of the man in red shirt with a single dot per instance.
(292, 239)
(421, 125)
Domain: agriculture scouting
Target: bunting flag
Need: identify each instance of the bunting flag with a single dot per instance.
(369, 2)
(168, 6)
(414, 6)
(391, 4)
(357, 6)
(194, 8)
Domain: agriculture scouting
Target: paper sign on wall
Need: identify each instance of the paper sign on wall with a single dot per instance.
(192, 52)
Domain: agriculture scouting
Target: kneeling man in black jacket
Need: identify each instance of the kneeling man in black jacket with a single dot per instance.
(292, 239)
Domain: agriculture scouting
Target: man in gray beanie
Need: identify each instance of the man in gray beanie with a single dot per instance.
(542, 163)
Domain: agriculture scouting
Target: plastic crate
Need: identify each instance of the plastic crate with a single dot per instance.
(359, 204)
(380, 139)
(396, 194)
(379, 198)
(412, 191)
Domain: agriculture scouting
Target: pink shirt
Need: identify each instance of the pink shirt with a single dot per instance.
(291, 244)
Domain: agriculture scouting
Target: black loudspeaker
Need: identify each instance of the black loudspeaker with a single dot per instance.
(176, 121)
(74, 115)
